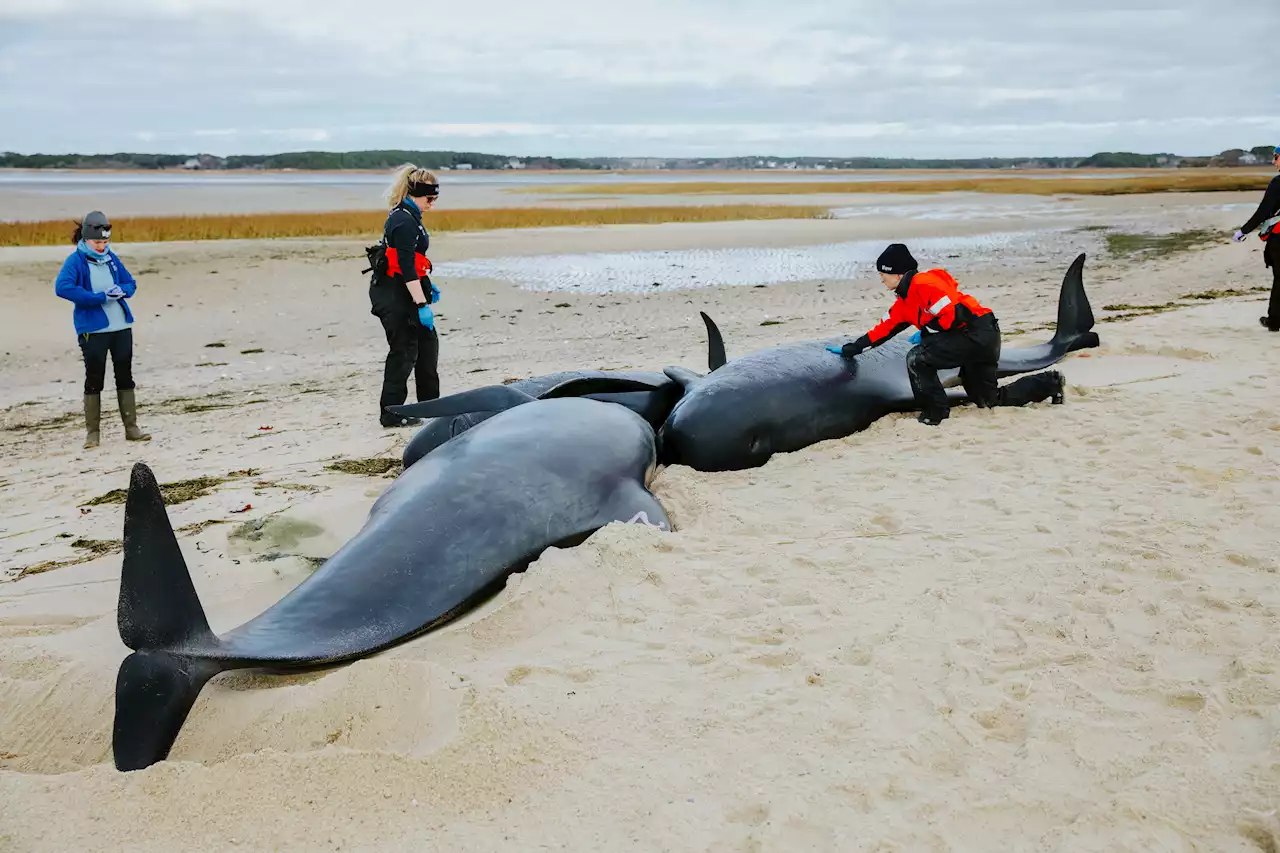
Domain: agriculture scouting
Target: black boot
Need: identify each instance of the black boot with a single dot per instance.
(391, 420)
(1033, 389)
(1059, 395)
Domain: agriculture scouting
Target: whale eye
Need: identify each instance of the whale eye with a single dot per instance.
(757, 444)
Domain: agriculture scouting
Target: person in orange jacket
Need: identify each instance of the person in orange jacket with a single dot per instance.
(955, 331)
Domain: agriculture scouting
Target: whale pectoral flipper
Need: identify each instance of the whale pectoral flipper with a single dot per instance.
(491, 398)
(682, 376)
(154, 693)
(632, 503)
(159, 616)
(584, 385)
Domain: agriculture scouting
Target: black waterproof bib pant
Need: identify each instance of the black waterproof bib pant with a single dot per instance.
(975, 350)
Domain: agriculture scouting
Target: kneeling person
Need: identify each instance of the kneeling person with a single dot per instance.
(955, 331)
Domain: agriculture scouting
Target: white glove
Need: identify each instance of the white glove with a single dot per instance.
(1238, 237)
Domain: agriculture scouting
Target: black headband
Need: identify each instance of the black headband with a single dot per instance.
(418, 190)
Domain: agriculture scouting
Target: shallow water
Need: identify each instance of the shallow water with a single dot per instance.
(611, 272)
(64, 180)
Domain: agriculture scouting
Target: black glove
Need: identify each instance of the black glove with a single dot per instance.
(853, 348)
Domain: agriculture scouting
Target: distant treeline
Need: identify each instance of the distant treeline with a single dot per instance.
(378, 160)
(302, 160)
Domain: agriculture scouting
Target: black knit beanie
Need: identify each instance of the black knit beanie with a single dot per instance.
(896, 260)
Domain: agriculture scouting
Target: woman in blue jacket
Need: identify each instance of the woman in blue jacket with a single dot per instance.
(95, 280)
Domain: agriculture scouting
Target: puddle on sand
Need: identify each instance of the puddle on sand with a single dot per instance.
(611, 272)
(993, 208)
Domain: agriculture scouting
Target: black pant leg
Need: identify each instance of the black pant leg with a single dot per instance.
(94, 349)
(938, 351)
(402, 354)
(425, 376)
(121, 347)
(1271, 254)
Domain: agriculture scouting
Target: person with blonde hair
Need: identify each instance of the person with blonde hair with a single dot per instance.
(397, 296)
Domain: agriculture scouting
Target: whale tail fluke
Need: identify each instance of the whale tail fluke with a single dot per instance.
(1074, 330)
(1075, 317)
(160, 617)
(716, 357)
(154, 693)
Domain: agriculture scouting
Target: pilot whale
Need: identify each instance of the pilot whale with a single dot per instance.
(445, 533)
(788, 397)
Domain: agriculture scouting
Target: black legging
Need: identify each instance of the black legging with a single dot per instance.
(413, 348)
(95, 348)
(1271, 255)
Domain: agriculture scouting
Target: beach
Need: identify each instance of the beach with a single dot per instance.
(1046, 628)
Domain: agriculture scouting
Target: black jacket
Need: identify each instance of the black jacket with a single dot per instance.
(1269, 207)
(407, 242)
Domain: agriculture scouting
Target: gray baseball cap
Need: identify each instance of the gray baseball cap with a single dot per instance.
(96, 226)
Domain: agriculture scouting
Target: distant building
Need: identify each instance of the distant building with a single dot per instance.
(1248, 159)
(192, 163)
(463, 166)
(515, 164)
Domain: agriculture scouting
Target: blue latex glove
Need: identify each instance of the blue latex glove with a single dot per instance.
(435, 294)
(835, 350)
(426, 317)
(915, 339)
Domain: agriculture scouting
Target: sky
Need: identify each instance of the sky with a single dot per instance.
(658, 78)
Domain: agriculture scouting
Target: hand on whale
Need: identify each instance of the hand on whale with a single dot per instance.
(444, 534)
(788, 397)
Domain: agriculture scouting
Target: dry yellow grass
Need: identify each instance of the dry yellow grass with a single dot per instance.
(1161, 182)
(368, 224)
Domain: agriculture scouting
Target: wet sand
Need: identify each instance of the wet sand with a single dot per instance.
(1043, 628)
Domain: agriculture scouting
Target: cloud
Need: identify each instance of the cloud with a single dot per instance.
(653, 77)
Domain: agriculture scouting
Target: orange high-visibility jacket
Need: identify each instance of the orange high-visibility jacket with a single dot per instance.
(927, 300)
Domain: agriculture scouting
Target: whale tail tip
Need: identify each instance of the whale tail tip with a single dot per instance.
(1075, 316)
(716, 357)
(160, 617)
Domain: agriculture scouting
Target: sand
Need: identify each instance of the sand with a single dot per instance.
(1050, 628)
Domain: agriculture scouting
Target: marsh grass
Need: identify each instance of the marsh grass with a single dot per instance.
(53, 422)
(1127, 245)
(1161, 182)
(368, 224)
(1127, 311)
(372, 467)
(177, 492)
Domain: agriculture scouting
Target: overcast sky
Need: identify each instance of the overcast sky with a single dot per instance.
(649, 78)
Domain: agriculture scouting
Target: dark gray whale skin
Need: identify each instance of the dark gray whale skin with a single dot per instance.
(788, 397)
(653, 405)
(445, 533)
